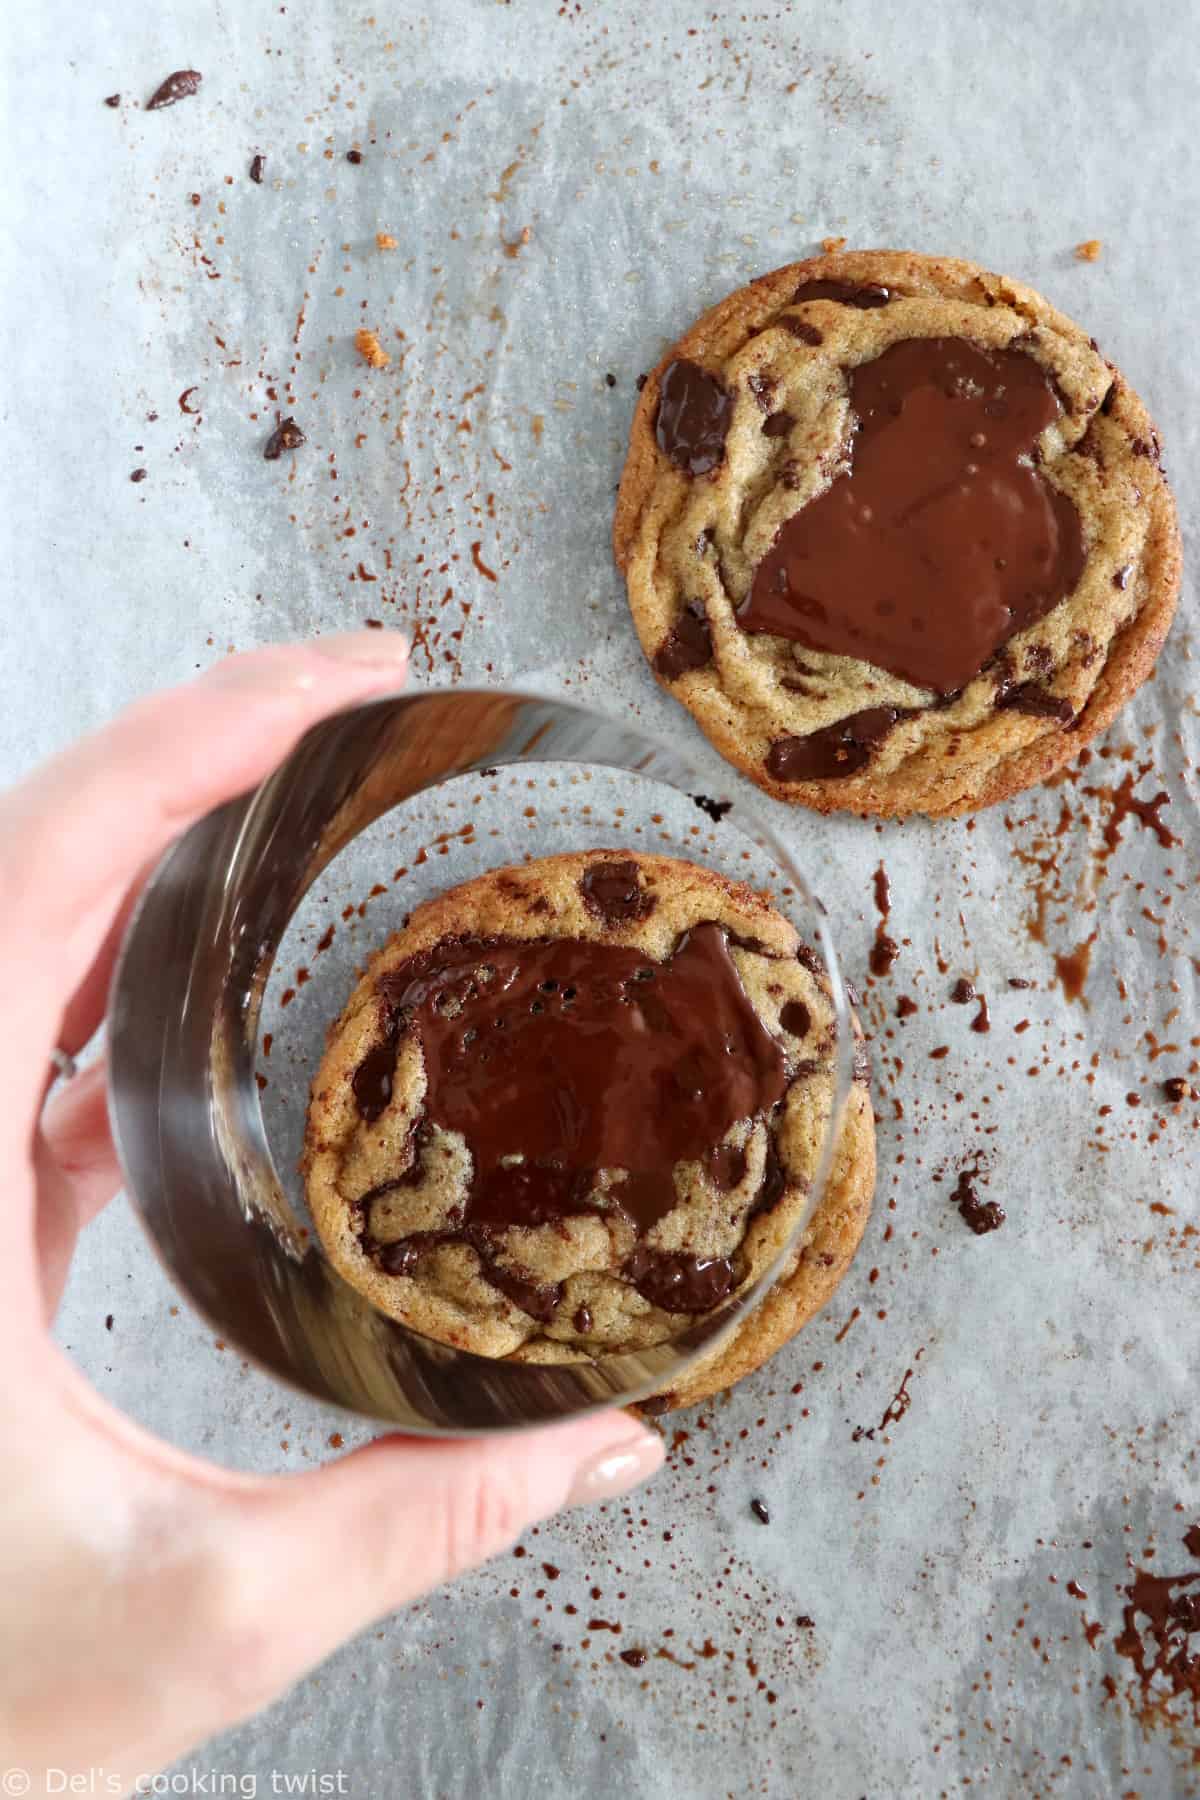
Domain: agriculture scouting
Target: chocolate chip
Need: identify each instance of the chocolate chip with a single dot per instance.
(688, 646)
(612, 893)
(694, 413)
(833, 752)
(778, 424)
(848, 293)
(800, 328)
(1030, 697)
(796, 1018)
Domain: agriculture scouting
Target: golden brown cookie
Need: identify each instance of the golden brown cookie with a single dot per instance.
(573, 1106)
(896, 533)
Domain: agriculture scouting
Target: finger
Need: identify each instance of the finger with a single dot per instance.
(323, 1555)
(90, 819)
(76, 1173)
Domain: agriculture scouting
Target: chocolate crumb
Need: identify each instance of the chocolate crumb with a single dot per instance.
(804, 1622)
(610, 379)
(258, 164)
(138, 475)
(286, 436)
(354, 156)
(640, 383)
(716, 809)
(176, 87)
(1176, 1088)
(112, 100)
(1019, 981)
(981, 1216)
(635, 1658)
(108, 1323)
(962, 991)
(759, 1509)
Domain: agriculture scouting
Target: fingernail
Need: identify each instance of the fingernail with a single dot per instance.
(617, 1469)
(369, 649)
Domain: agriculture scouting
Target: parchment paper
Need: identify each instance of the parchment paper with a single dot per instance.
(568, 187)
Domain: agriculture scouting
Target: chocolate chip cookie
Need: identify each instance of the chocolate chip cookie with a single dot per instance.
(896, 533)
(573, 1106)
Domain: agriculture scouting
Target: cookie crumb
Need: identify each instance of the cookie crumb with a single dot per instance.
(1089, 250)
(385, 241)
(370, 349)
(830, 245)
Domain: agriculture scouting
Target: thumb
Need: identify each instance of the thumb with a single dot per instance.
(322, 1555)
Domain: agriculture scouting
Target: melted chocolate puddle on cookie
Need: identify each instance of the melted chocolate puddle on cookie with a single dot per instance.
(578, 1057)
(943, 539)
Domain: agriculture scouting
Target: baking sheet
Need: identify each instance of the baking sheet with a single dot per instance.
(963, 1568)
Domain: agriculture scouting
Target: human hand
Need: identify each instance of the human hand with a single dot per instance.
(150, 1598)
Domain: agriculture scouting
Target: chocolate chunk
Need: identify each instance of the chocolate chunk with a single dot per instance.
(778, 424)
(176, 87)
(286, 436)
(716, 809)
(656, 1404)
(398, 1259)
(800, 328)
(1176, 1089)
(1019, 981)
(354, 156)
(774, 1180)
(835, 751)
(694, 413)
(865, 295)
(687, 646)
(759, 1509)
(795, 1018)
(371, 1082)
(257, 166)
(112, 100)
(678, 1283)
(895, 563)
(1030, 697)
(612, 893)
